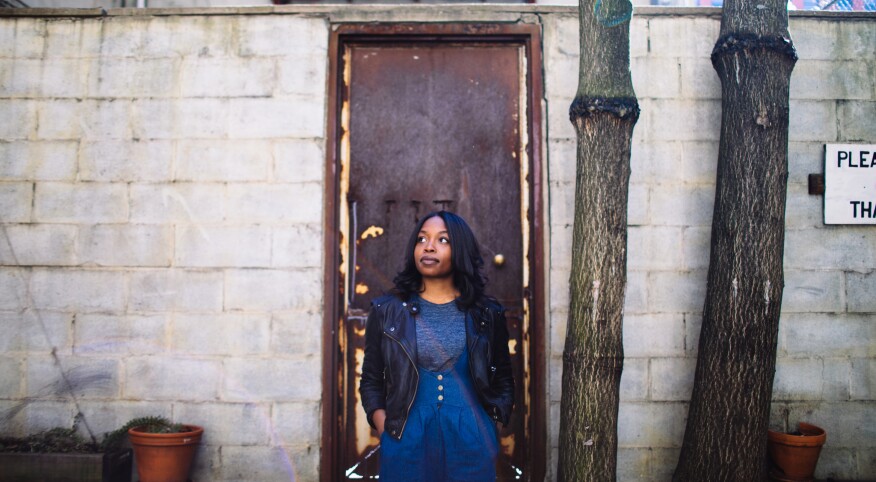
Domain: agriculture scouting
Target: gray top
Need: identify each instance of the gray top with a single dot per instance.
(440, 335)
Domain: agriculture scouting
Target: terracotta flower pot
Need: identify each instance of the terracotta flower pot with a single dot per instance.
(165, 457)
(795, 455)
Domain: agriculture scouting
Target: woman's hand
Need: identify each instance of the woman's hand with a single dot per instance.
(379, 418)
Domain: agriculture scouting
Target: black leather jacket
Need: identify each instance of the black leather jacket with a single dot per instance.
(389, 371)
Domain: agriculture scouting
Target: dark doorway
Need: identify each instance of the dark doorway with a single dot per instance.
(429, 117)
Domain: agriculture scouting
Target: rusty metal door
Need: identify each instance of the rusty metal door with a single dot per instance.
(428, 125)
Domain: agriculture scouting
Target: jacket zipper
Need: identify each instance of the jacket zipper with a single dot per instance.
(417, 373)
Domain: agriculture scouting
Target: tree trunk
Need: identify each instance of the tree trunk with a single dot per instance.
(726, 433)
(604, 112)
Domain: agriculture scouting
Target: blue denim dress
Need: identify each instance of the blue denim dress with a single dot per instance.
(448, 435)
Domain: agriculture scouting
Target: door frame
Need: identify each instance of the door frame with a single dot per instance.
(528, 35)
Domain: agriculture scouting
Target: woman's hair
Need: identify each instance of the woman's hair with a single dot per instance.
(465, 258)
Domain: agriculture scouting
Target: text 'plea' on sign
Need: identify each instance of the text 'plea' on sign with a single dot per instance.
(850, 184)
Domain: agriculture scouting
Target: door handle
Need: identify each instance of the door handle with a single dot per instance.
(498, 260)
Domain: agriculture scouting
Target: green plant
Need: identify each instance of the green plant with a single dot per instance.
(154, 424)
(58, 440)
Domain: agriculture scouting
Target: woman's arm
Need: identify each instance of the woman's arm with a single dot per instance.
(503, 381)
(371, 386)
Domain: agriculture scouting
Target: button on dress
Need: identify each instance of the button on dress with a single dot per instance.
(448, 436)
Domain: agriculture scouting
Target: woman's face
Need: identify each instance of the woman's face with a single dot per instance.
(432, 251)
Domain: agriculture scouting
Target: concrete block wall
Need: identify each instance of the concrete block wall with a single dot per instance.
(160, 232)
(828, 328)
(160, 179)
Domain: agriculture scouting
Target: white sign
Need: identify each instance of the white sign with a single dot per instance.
(850, 184)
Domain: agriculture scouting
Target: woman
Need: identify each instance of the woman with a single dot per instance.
(437, 373)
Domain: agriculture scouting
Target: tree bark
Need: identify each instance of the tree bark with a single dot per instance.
(726, 434)
(604, 113)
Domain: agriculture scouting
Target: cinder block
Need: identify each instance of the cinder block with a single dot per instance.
(299, 160)
(11, 377)
(45, 415)
(17, 77)
(175, 290)
(639, 33)
(39, 245)
(201, 118)
(274, 203)
(636, 300)
(119, 334)
(165, 378)
(13, 289)
(562, 209)
(860, 288)
(106, 119)
(78, 290)
(832, 79)
(826, 335)
(228, 423)
(804, 158)
(253, 379)
(297, 246)
(836, 379)
(863, 379)
(693, 323)
(41, 161)
(561, 36)
(81, 202)
(16, 200)
(653, 335)
(663, 462)
(677, 291)
(651, 424)
(154, 118)
(73, 38)
(269, 464)
(296, 423)
(36, 331)
(634, 380)
(554, 424)
(813, 120)
(638, 205)
(803, 210)
(221, 334)
(24, 111)
(699, 163)
(656, 77)
(62, 78)
(672, 378)
(836, 463)
(856, 40)
(696, 247)
(866, 461)
(123, 36)
(261, 118)
(653, 248)
(222, 246)
(683, 119)
(133, 77)
(682, 204)
(208, 460)
(296, 333)
(813, 291)
(273, 290)
(633, 464)
(259, 34)
(699, 80)
(665, 40)
(558, 118)
(302, 75)
(829, 248)
(561, 77)
(185, 36)
(656, 162)
(562, 162)
(177, 203)
(29, 37)
(816, 40)
(125, 161)
(559, 329)
(106, 416)
(843, 419)
(798, 379)
(137, 245)
(555, 375)
(231, 77)
(853, 121)
(87, 378)
(223, 161)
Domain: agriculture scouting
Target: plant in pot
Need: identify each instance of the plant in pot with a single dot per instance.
(62, 454)
(163, 451)
(794, 455)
